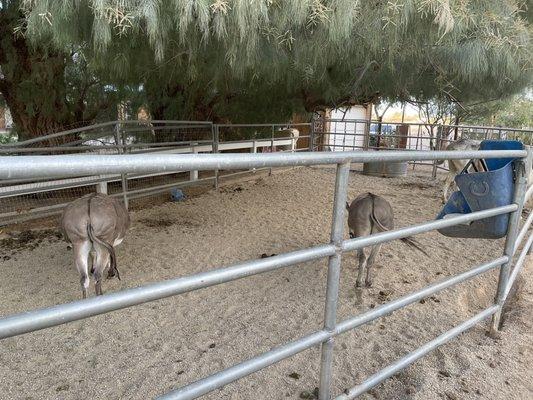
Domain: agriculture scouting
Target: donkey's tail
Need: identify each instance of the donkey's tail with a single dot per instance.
(373, 217)
(413, 243)
(407, 240)
(113, 270)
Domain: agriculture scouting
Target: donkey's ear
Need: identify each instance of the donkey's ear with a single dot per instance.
(348, 206)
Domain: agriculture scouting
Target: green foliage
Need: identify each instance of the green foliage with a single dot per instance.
(513, 113)
(252, 60)
(47, 88)
(9, 138)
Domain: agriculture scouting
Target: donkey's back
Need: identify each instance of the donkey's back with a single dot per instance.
(367, 212)
(108, 218)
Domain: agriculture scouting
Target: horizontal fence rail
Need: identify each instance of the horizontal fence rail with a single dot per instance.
(18, 204)
(74, 165)
(280, 353)
(433, 125)
(58, 315)
(410, 358)
(82, 165)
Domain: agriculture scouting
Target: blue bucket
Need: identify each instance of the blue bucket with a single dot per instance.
(177, 195)
(483, 190)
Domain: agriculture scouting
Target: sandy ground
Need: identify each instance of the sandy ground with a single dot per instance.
(144, 351)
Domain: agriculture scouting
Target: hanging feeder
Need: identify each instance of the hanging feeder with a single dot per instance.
(481, 191)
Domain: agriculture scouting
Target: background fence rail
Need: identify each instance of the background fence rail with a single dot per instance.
(26, 199)
(30, 198)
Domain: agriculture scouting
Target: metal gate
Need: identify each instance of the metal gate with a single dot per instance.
(36, 167)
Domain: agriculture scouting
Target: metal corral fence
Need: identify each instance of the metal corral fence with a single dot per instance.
(26, 199)
(23, 200)
(361, 134)
(30, 167)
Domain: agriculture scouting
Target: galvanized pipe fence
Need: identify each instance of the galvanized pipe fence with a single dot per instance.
(22, 200)
(353, 134)
(23, 167)
(360, 134)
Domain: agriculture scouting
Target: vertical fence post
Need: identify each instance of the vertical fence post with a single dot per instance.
(293, 141)
(312, 135)
(344, 137)
(101, 187)
(271, 148)
(334, 265)
(216, 140)
(512, 231)
(193, 174)
(529, 176)
(125, 191)
(437, 147)
(254, 150)
(378, 141)
(366, 140)
(120, 141)
(416, 143)
(355, 136)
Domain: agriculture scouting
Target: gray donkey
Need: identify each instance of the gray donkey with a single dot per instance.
(369, 214)
(95, 222)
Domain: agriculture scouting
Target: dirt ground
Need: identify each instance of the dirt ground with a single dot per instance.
(145, 351)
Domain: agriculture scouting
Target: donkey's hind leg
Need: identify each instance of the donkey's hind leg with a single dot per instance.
(370, 264)
(362, 267)
(81, 254)
(102, 262)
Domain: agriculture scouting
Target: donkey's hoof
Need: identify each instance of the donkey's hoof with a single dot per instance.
(368, 284)
(358, 284)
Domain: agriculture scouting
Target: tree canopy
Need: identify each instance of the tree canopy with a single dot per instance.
(516, 112)
(46, 88)
(254, 60)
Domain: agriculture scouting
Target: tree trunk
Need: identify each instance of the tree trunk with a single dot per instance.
(378, 144)
(32, 82)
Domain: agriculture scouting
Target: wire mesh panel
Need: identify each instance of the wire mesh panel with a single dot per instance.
(349, 135)
(168, 137)
(342, 134)
(21, 200)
